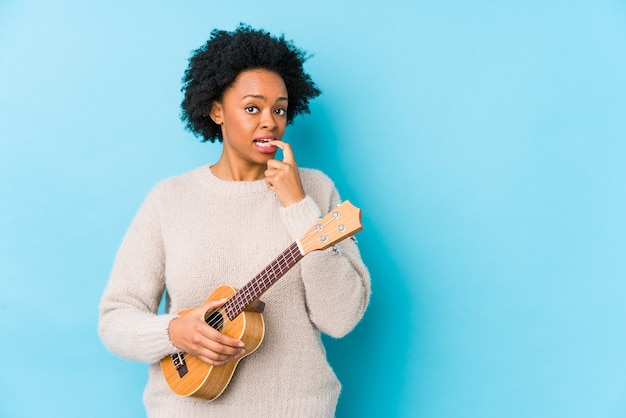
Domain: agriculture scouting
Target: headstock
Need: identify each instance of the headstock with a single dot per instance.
(342, 222)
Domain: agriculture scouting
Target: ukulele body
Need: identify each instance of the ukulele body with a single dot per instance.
(186, 375)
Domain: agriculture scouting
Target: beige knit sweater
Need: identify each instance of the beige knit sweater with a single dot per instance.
(195, 232)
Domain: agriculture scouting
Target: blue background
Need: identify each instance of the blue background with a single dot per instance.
(484, 141)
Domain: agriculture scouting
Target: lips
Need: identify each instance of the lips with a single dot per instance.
(263, 145)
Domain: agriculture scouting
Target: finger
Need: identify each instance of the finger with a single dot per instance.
(222, 342)
(216, 359)
(211, 344)
(220, 352)
(274, 164)
(213, 331)
(288, 157)
(221, 348)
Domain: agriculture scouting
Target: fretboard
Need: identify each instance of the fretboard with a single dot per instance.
(266, 278)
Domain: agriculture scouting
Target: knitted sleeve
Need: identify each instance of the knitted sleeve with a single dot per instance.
(129, 325)
(337, 282)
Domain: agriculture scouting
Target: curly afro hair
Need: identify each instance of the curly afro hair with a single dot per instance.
(214, 67)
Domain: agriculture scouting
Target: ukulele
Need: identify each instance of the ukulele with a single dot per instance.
(240, 317)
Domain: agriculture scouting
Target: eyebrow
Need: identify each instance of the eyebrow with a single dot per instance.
(260, 96)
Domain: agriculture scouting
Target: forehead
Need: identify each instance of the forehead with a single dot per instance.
(258, 83)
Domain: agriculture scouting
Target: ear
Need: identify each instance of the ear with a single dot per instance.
(216, 113)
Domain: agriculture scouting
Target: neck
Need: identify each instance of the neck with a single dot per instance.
(226, 170)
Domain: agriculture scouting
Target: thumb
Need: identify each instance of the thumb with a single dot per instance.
(212, 304)
(209, 314)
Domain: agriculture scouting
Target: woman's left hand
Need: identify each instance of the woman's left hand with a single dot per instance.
(282, 176)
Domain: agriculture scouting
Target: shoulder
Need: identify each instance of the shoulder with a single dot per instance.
(169, 189)
(315, 177)
(320, 187)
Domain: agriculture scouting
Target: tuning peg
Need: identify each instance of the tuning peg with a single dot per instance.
(353, 239)
(336, 250)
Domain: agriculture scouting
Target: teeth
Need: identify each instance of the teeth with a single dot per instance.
(262, 142)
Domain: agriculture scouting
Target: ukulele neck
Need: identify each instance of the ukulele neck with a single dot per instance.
(266, 278)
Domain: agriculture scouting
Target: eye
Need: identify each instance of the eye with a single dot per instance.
(281, 111)
(251, 109)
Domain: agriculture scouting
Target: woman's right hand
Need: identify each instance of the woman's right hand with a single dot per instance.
(191, 334)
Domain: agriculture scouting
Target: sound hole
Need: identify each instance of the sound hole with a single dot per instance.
(215, 319)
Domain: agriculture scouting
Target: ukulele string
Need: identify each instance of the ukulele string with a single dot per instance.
(217, 318)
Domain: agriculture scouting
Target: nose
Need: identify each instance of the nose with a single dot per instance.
(267, 120)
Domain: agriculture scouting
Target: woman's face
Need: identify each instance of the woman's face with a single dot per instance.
(252, 112)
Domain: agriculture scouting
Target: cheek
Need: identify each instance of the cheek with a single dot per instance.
(238, 122)
(282, 124)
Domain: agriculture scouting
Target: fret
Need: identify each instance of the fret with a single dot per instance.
(252, 290)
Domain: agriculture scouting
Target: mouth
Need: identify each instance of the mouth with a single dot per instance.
(264, 142)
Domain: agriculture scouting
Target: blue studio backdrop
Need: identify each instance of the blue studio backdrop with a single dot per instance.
(484, 141)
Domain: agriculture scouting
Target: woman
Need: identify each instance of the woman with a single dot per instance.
(221, 224)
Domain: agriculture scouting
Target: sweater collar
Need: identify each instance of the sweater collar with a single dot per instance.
(216, 184)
